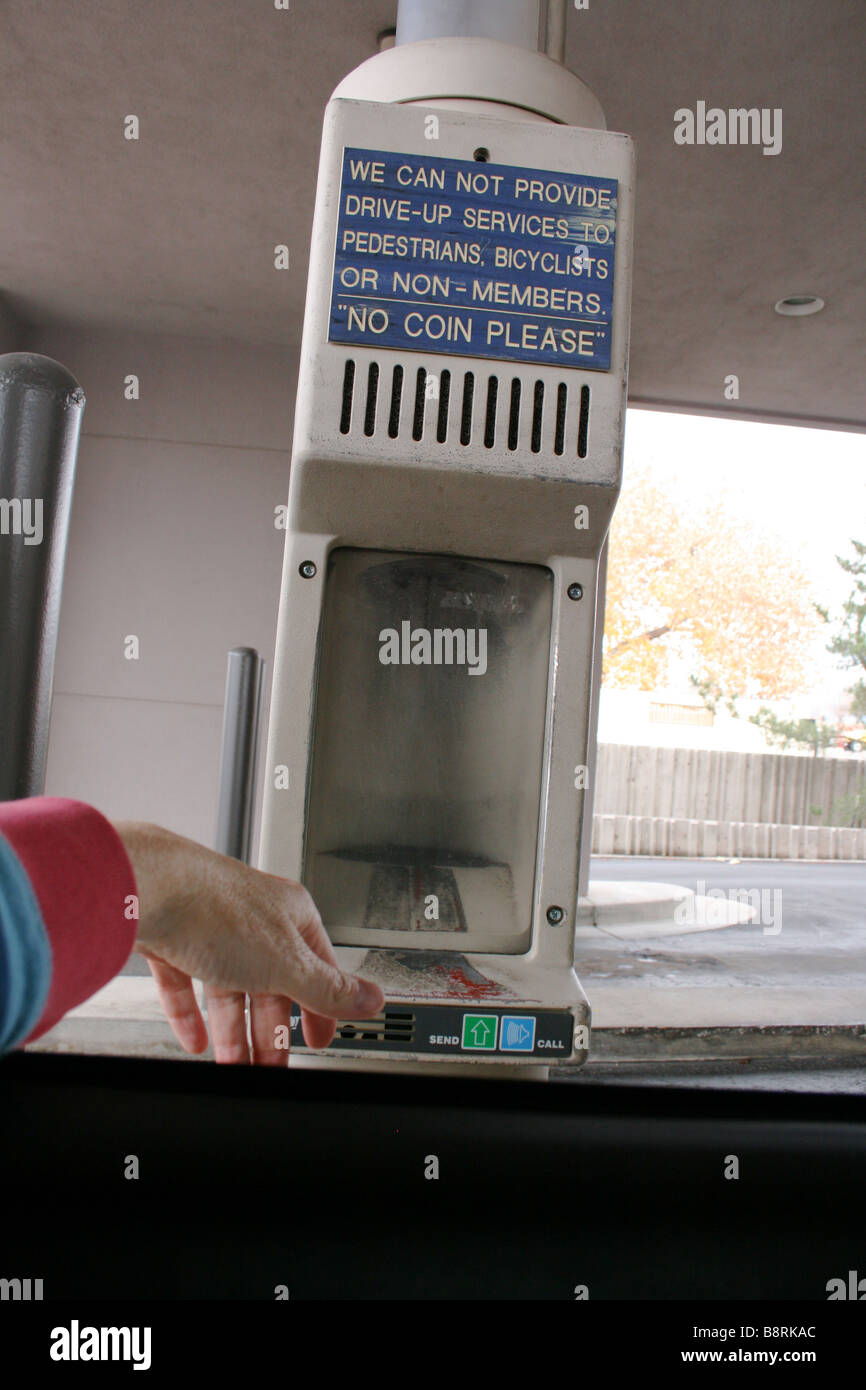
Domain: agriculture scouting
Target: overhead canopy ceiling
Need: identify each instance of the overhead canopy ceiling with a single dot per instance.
(175, 232)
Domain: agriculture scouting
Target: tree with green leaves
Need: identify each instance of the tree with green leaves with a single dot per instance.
(817, 734)
(849, 644)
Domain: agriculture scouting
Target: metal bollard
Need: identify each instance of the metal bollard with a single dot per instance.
(41, 406)
(244, 681)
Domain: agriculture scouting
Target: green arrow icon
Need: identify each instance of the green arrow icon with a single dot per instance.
(479, 1032)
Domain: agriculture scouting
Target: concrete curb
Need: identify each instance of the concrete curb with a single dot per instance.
(631, 911)
(101, 1037)
(823, 1042)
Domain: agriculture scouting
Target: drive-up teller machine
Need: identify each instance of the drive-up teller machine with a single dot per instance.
(456, 462)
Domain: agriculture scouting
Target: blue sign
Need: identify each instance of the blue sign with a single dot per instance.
(518, 1033)
(475, 259)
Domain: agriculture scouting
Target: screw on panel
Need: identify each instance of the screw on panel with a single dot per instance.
(555, 916)
(575, 591)
(482, 154)
(307, 569)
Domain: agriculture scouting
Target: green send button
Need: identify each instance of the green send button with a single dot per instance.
(479, 1032)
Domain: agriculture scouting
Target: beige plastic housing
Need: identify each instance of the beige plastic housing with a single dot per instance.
(360, 490)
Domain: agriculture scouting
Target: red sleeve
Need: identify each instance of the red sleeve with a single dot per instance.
(82, 879)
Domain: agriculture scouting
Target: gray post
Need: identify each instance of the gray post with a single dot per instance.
(592, 730)
(555, 30)
(41, 405)
(239, 746)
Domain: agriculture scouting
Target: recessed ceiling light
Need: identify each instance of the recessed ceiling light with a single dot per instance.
(796, 305)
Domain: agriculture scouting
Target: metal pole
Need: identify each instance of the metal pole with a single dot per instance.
(244, 680)
(592, 730)
(41, 405)
(555, 41)
(509, 21)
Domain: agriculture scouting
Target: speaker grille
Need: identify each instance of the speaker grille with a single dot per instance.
(522, 415)
(394, 1025)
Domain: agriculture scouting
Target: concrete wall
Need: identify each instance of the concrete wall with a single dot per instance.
(172, 539)
(703, 785)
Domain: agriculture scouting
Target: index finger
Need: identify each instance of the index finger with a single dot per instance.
(319, 1029)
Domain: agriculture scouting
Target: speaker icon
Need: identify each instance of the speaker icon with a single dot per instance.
(518, 1033)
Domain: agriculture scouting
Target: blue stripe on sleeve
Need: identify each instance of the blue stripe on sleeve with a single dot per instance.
(25, 952)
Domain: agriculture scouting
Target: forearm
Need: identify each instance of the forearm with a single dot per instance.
(162, 863)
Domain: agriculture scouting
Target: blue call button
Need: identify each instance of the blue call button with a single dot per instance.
(517, 1033)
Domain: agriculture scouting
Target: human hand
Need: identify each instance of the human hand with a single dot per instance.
(242, 932)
